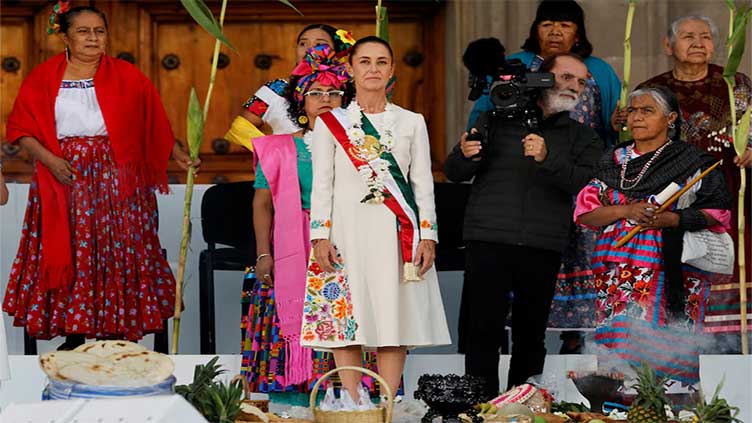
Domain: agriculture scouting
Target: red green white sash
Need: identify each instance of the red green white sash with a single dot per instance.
(398, 194)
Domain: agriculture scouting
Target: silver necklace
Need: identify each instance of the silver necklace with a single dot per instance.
(634, 181)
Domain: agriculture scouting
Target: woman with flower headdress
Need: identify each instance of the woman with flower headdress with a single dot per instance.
(371, 282)
(268, 106)
(89, 262)
(273, 359)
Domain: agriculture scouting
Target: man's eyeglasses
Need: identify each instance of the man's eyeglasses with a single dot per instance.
(318, 94)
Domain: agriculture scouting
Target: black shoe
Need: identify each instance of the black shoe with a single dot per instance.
(72, 342)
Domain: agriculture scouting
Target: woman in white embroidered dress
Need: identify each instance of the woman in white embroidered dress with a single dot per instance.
(365, 288)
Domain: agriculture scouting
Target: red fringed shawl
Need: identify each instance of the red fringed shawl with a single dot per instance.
(139, 133)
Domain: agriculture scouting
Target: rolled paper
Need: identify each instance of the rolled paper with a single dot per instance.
(410, 273)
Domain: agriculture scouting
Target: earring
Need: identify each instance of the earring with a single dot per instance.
(671, 125)
(303, 119)
(67, 54)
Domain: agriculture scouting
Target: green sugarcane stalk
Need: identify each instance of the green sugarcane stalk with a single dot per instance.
(624, 133)
(730, 78)
(193, 147)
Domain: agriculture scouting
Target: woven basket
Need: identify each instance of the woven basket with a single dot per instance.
(377, 415)
(262, 405)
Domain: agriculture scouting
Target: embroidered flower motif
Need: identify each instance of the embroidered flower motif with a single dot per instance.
(315, 283)
(425, 224)
(320, 223)
(328, 311)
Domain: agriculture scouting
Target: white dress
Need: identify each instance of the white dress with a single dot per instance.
(380, 309)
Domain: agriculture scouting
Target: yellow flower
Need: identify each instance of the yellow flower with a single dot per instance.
(346, 37)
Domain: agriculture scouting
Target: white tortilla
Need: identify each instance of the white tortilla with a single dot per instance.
(107, 348)
(102, 374)
(149, 365)
(52, 362)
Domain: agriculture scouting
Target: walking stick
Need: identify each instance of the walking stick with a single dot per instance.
(668, 203)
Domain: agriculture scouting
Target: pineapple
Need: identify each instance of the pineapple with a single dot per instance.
(650, 404)
(217, 401)
(717, 411)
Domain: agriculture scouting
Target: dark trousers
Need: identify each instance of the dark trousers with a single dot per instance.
(492, 272)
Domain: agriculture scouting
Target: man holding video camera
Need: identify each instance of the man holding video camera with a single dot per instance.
(528, 159)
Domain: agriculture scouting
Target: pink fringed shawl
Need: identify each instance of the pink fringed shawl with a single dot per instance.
(278, 159)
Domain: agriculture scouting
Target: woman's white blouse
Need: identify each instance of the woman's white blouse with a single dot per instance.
(77, 111)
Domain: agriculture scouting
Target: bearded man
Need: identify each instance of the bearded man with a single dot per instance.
(517, 220)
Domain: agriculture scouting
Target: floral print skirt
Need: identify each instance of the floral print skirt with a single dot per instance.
(123, 287)
(263, 361)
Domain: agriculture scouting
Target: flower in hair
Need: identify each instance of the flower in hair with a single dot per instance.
(54, 20)
(319, 64)
(344, 41)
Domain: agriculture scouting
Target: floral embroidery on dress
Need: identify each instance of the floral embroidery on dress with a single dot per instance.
(328, 311)
(79, 83)
(425, 224)
(320, 223)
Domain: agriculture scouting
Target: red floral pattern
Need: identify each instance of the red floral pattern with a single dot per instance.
(123, 287)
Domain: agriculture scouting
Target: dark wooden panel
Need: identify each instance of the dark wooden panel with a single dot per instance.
(152, 29)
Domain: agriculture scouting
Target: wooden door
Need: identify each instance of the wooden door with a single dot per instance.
(160, 38)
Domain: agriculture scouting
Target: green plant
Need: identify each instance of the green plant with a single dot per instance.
(203, 379)
(717, 410)
(203, 16)
(219, 402)
(649, 406)
(738, 20)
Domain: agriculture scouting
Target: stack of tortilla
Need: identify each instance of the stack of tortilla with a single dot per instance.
(108, 363)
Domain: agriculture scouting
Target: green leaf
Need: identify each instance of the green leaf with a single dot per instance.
(730, 4)
(741, 138)
(195, 130)
(737, 42)
(288, 4)
(204, 17)
(382, 23)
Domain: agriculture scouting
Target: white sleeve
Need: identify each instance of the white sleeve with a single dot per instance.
(322, 155)
(421, 179)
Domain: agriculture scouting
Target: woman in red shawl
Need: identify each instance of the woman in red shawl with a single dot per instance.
(89, 262)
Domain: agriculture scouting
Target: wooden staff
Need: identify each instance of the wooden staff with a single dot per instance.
(668, 203)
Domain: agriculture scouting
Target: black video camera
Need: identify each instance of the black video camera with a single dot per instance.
(515, 90)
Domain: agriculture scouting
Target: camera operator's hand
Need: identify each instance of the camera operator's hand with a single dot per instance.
(470, 148)
(535, 146)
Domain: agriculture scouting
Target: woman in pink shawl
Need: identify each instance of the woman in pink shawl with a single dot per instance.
(273, 360)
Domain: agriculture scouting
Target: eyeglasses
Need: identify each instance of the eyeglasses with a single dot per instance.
(318, 94)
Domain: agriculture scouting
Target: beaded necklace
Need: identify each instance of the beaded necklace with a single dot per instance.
(634, 181)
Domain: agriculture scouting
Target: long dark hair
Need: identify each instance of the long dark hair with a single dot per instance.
(560, 11)
(65, 19)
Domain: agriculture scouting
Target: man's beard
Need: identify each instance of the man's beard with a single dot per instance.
(557, 103)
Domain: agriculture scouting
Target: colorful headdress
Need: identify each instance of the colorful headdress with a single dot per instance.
(322, 64)
(54, 21)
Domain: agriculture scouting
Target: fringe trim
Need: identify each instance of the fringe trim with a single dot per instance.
(133, 176)
(298, 362)
(55, 276)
